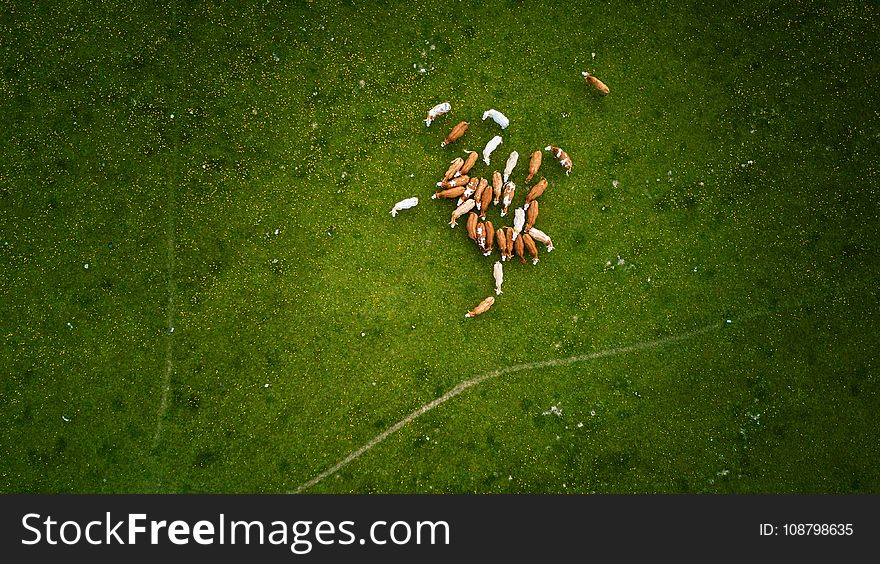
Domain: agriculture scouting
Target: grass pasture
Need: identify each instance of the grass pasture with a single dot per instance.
(202, 290)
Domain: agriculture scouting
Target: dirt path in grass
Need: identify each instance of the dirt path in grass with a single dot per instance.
(467, 384)
(169, 315)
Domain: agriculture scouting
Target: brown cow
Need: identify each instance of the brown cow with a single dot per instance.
(484, 202)
(596, 83)
(453, 182)
(490, 238)
(519, 247)
(455, 134)
(508, 234)
(501, 238)
(481, 307)
(530, 246)
(472, 226)
(478, 193)
(535, 192)
(531, 216)
(470, 162)
(480, 236)
(469, 189)
(449, 193)
(454, 167)
(467, 206)
(496, 187)
(561, 156)
(534, 164)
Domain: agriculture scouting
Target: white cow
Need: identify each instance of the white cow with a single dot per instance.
(490, 146)
(511, 162)
(498, 273)
(404, 205)
(497, 116)
(436, 112)
(519, 220)
(541, 237)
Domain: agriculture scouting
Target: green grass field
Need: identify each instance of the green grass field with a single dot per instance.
(202, 351)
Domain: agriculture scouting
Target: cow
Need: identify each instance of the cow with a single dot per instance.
(496, 116)
(469, 162)
(519, 220)
(530, 246)
(453, 182)
(453, 169)
(467, 206)
(404, 205)
(519, 247)
(501, 238)
(469, 189)
(509, 190)
(456, 133)
(490, 238)
(561, 156)
(484, 202)
(531, 216)
(498, 274)
(511, 162)
(534, 164)
(490, 146)
(481, 307)
(436, 112)
(596, 83)
(472, 226)
(541, 237)
(508, 235)
(535, 192)
(478, 193)
(449, 193)
(496, 187)
(480, 235)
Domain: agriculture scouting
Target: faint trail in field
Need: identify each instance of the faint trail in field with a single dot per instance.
(467, 384)
(169, 313)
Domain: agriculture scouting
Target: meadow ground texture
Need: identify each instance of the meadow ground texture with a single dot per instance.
(251, 314)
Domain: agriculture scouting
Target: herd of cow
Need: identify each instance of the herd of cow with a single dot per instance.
(474, 195)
